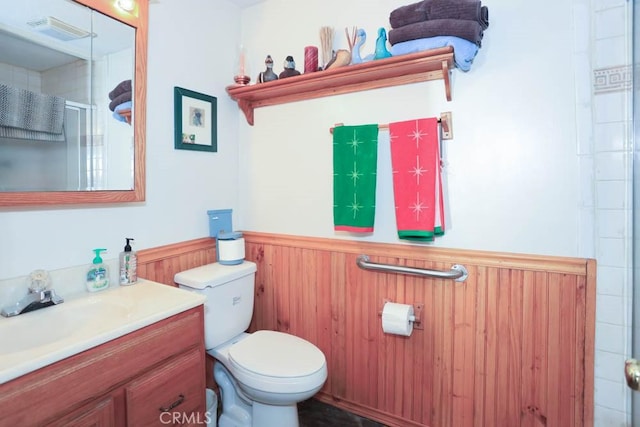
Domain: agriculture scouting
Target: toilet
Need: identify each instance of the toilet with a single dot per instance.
(262, 375)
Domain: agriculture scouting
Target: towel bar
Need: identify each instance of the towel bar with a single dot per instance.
(445, 120)
(458, 272)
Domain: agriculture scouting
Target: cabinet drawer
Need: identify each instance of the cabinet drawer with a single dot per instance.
(174, 393)
(100, 414)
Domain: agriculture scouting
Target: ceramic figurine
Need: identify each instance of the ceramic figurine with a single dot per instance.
(361, 37)
(267, 75)
(340, 58)
(289, 68)
(381, 45)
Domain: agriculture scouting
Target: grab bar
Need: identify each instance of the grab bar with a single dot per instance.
(458, 272)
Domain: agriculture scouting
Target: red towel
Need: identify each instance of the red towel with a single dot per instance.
(417, 185)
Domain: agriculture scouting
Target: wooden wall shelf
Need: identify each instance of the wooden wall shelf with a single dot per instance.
(398, 70)
(126, 113)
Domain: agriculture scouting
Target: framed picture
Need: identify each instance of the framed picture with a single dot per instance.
(196, 120)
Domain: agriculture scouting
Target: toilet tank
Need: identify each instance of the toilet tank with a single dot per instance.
(229, 290)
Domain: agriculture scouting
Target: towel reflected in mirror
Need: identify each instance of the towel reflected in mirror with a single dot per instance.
(31, 116)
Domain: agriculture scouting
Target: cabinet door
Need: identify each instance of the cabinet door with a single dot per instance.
(172, 394)
(101, 414)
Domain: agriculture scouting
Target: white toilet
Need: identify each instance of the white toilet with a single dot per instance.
(262, 375)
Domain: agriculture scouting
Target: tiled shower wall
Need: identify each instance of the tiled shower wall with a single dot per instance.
(603, 105)
(20, 77)
(56, 81)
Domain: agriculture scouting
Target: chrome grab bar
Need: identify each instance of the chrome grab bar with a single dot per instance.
(458, 272)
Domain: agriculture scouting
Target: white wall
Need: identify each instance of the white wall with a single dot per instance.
(537, 165)
(512, 173)
(610, 153)
(181, 185)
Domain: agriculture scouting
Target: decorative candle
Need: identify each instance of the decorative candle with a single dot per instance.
(241, 60)
(310, 59)
(242, 77)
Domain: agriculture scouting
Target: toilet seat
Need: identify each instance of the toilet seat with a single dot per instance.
(277, 362)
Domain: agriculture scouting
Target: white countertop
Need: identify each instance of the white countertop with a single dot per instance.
(39, 338)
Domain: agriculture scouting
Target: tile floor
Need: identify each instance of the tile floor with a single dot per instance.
(313, 413)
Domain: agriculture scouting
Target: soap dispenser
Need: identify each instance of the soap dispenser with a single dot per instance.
(98, 274)
(128, 265)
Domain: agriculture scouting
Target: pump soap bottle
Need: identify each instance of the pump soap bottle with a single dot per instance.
(98, 274)
(128, 265)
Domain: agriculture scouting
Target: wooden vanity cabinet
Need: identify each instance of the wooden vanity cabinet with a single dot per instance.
(128, 381)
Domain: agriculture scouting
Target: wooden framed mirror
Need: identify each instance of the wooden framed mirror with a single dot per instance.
(117, 190)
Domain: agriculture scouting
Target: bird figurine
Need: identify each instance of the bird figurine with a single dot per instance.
(340, 58)
(381, 45)
(267, 75)
(289, 68)
(361, 37)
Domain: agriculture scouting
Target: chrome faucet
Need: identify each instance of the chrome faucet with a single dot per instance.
(38, 297)
(32, 301)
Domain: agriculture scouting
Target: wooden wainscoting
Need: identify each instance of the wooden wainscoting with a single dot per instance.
(162, 263)
(513, 345)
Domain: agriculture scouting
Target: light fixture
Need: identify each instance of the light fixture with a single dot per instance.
(58, 29)
(126, 5)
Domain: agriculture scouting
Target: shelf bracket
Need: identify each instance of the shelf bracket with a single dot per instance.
(247, 109)
(447, 81)
(446, 122)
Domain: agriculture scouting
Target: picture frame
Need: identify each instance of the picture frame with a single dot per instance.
(195, 120)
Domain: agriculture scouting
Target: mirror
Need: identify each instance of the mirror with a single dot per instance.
(72, 102)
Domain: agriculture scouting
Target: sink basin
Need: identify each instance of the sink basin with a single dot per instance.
(36, 339)
(58, 322)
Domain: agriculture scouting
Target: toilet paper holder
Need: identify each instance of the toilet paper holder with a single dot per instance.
(417, 313)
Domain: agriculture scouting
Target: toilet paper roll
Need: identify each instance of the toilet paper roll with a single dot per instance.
(397, 319)
(230, 251)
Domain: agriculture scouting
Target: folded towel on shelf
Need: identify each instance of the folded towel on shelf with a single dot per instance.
(30, 115)
(464, 51)
(409, 14)
(427, 10)
(465, 29)
(417, 186)
(126, 106)
(355, 158)
(122, 87)
(123, 97)
(468, 10)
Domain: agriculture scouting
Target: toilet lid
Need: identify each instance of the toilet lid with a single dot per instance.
(276, 354)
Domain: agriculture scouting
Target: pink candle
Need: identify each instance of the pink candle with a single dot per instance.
(310, 59)
(241, 60)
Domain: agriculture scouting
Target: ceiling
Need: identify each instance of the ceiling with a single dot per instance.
(25, 47)
(245, 3)
(240, 3)
(21, 47)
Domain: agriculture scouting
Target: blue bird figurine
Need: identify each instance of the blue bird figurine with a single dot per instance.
(381, 45)
(361, 37)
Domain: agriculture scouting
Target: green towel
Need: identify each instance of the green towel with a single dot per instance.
(355, 158)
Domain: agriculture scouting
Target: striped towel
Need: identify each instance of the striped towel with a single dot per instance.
(355, 157)
(417, 186)
(30, 115)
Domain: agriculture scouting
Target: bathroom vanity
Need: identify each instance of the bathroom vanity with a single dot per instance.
(153, 375)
